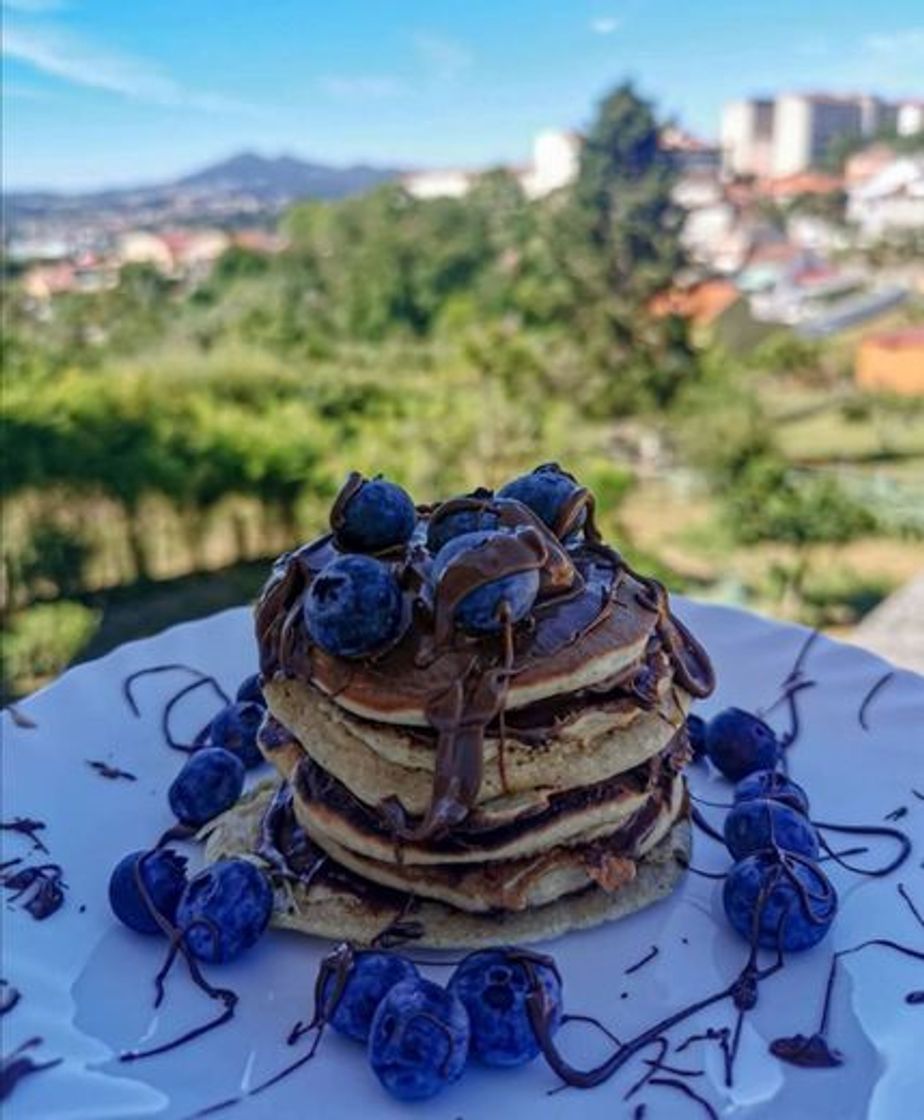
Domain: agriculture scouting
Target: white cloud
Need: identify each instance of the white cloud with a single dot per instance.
(605, 25)
(910, 41)
(361, 87)
(84, 63)
(445, 58)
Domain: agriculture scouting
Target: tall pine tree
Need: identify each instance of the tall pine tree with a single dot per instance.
(619, 244)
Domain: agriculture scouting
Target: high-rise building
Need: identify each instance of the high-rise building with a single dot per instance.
(795, 130)
(805, 125)
(747, 137)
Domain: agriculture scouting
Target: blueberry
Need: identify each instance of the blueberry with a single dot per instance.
(546, 490)
(419, 1040)
(379, 515)
(210, 782)
(164, 875)
(479, 610)
(696, 733)
(756, 824)
(371, 977)
(250, 691)
(493, 987)
(235, 730)
(444, 528)
(354, 606)
(224, 910)
(774, 786)
(795, 916)
(738, 743)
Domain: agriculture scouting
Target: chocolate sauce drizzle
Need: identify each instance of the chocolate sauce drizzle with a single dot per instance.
(870, 696)
(113, 773)
(25, 826)
(9, 997)
(177, 938)
(813, 1051)
(649, 956)
(202, 679)
(41, 884)
(17, 1066)
(329, 987)
(20, 718)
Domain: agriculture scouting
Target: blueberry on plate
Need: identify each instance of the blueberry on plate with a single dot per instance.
(774, 786)
(378, 515)
(756, 824)
(371, 976)
(354, 607)
(546, 491)
(788, 902)
(250, 691)
(224, 910)
(419, 1040)
(696, 734)
(209, 783)
(163, 873)
(493, 986)
(738, 743)
(235, 729)
(480, 610)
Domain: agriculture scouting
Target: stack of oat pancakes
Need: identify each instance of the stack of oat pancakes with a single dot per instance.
(467, 789)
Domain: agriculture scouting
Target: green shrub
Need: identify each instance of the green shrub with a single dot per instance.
(43, 640)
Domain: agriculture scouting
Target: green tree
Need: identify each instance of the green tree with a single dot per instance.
(619, 244)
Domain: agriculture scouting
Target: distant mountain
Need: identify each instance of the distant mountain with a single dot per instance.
(285, 177)
(245, 183)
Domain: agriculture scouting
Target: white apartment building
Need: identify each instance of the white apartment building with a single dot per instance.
(747, 137)
(794, 131)
(556, 159)
(910, 118)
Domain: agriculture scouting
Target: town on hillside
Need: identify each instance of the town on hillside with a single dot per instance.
(808, 213)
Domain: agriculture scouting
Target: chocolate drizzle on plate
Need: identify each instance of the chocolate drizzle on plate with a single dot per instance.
(202, 680)
(113, 773)
(177, 938)
(9, 997)
(18, 1065)
(25, 826)
(649, 956)
(870, 696)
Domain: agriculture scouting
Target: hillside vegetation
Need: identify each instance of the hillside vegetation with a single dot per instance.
(158, 431)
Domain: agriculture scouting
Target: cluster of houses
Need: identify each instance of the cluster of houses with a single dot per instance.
(180, 254)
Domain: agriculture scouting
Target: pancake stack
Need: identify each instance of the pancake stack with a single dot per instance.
(466, 789)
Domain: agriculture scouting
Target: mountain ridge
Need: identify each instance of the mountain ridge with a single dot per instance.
(268, 179)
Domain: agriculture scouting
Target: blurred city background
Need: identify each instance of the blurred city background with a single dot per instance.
(248, 248)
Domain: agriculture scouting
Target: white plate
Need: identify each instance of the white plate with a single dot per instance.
(86, 983)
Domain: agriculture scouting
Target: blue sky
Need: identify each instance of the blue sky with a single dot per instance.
(100, 92)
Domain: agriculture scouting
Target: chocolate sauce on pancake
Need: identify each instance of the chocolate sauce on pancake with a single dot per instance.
(580, 587)
(313, 783)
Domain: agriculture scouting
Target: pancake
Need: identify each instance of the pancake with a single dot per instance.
(340, 905)
(375, 760)
(578, 640)
(591, 628)
(537, 880)
(326, 809)
(513, 778)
